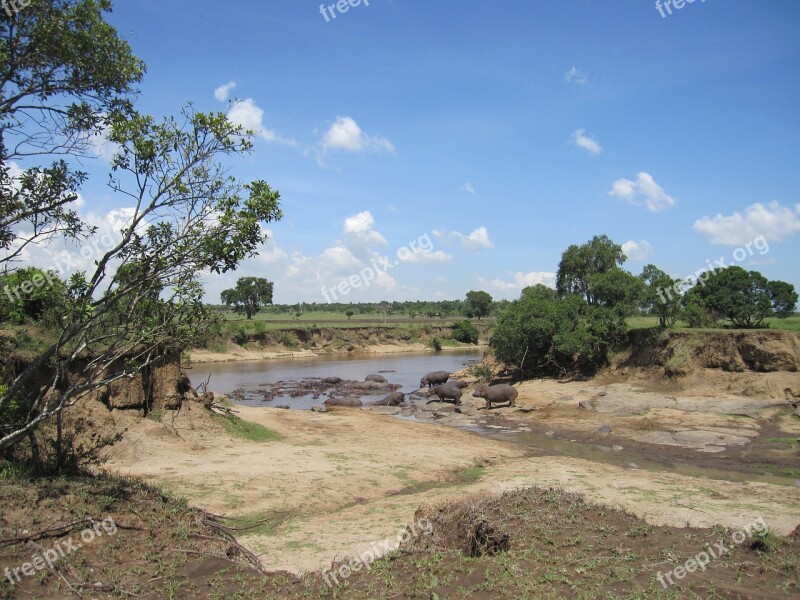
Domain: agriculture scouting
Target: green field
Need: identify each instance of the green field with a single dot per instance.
(789, 324)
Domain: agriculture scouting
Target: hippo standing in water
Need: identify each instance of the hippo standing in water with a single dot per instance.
(448, 391)
(376, 378)
(393, 399)
(496, 393)
(434, 378)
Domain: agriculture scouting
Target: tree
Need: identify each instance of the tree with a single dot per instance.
(349, 314)
(249, 295)
(745, 298)
(465, 332)
(64, 72)
(580, 263)
(31, 294)
(659, 298)
(784, 298)
(189, 217)
(478, 304)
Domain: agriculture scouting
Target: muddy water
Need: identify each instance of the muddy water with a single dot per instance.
(404, 369)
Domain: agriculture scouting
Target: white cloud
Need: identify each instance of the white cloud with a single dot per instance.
(359, 228)
(223, 92)
(575, 75)
(421, 257)
(585, 142)
(637, 250)
(345, 134)
(476, 240)
(523, 280)
(102, 147)
(642, 191)
(467, 187)
(772, 220)
(250, 116)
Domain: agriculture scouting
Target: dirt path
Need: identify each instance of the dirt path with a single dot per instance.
(339, 482)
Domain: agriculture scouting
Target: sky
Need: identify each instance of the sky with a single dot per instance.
(425, 149)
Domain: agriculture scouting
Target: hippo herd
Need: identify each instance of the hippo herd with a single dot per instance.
(440, 388)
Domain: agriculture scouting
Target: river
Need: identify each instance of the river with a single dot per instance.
(404, 369)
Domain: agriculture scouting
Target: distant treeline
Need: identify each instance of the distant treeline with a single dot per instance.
(410, 309)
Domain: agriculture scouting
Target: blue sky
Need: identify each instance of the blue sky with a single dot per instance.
(497, 133)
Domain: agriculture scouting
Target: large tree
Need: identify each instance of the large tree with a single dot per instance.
(660, 298)
(249, 295)
(745, 298)
(579, 264)
(144, 297)
(478, 304)
(64, 74)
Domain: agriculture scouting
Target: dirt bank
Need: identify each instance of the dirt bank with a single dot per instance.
(314, 341)
(339, 481)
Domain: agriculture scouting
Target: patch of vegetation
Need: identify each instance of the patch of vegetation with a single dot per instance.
(247, 430)
(465, 332)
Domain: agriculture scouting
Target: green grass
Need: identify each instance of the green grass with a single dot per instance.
(789, 441)
(247, 430)
(788, 324)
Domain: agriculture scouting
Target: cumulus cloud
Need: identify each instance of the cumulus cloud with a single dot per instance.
(345, 134)
(575, 75)
(476, 240)
(587, 143)
(223, 92)
(467, 187)
(637, 250)
(359, 228)
(644, 191)
(772, 220)
(250, 116)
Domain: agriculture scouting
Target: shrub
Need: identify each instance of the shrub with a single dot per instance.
(465, 332)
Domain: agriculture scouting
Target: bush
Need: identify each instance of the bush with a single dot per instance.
(465, 332)
(436, 343)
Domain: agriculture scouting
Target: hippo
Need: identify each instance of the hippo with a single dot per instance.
(332, 380)
(350, 402)
(393, 399)
(377, 378)
(460, 384)
(449, 391)
(496, 393)
(434, 378)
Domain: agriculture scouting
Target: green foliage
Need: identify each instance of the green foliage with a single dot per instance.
(349, 314)
(745, 298)
(482, 371)
(31, 294)
(541, 333)
(478, 304)
(579, 264)
(436, 344)
(63, 72)
(249, 295)
(659, 296)
(465, 332)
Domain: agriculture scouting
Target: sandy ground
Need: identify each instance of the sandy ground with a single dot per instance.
(339, 482)
(237, 353)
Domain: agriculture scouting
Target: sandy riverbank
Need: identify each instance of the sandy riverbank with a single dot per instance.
(239, 353)
(339, 481)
